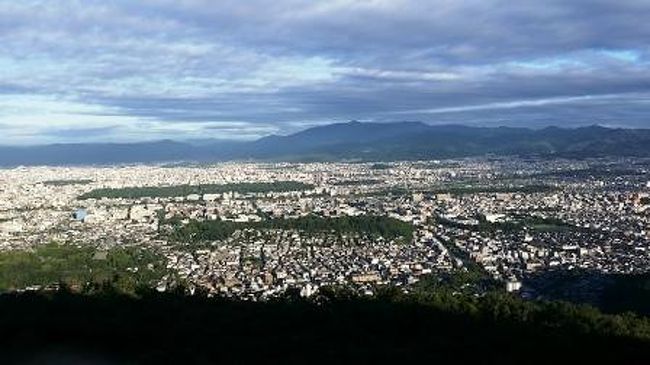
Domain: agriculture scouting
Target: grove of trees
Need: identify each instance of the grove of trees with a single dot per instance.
(380, 226)
(52, 264)
(185, 190)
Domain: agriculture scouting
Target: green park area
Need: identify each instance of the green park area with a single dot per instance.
(185, 190)
(67, 182)
(80, 267)
(530, 223)
(378, 226)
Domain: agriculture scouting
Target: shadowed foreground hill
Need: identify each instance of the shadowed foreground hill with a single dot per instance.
(336, 328)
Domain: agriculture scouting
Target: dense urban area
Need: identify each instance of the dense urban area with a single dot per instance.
(256, 230)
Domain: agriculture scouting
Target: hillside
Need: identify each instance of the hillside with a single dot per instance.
(337, 327)
(395, 141)
(353, 141)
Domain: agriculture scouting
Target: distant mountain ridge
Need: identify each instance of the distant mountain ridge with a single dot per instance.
(352, 141)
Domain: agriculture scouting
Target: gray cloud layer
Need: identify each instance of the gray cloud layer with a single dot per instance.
(125, 70)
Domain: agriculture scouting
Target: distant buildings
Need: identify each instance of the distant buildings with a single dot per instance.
(463, 214)
(80, 214)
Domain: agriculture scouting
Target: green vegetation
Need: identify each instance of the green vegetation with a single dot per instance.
(393, 191)
(521, 189)
(430, 325)
(185, 190)
(626, 293)
(380, 166)
(439, 165)
(533, 223)
(612, 293)
(67, 182)
(358, 182)
(200, 231)
(645, 201)
(470, 279)
(461, 316)
(594, 172)
(80, 267)
(460, 189)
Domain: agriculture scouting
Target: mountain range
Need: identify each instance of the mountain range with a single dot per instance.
(352, 141)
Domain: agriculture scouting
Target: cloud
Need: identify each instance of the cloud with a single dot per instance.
(80, 133)
(517, 104)
(159, 69)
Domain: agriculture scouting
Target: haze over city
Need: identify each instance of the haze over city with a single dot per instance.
(126, 71)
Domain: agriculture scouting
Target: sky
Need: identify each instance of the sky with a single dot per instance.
(123, 70)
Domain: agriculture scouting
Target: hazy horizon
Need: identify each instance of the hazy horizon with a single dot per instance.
(119, 71)
(199, 140)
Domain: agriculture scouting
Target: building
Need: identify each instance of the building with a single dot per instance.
(513, 285)
(80, 214)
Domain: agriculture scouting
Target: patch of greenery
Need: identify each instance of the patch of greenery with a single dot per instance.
(185, 190)
(521, 189)
(532, 223)
(380, 226)
(425, 326)
(67, 182)
(612, 293)
(393, 191)
(594, 172)
(380, 166)
(51, 264)
(440, 165)
(459, 189)
(358, 182)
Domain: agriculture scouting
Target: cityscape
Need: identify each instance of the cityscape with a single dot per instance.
(511, 218)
